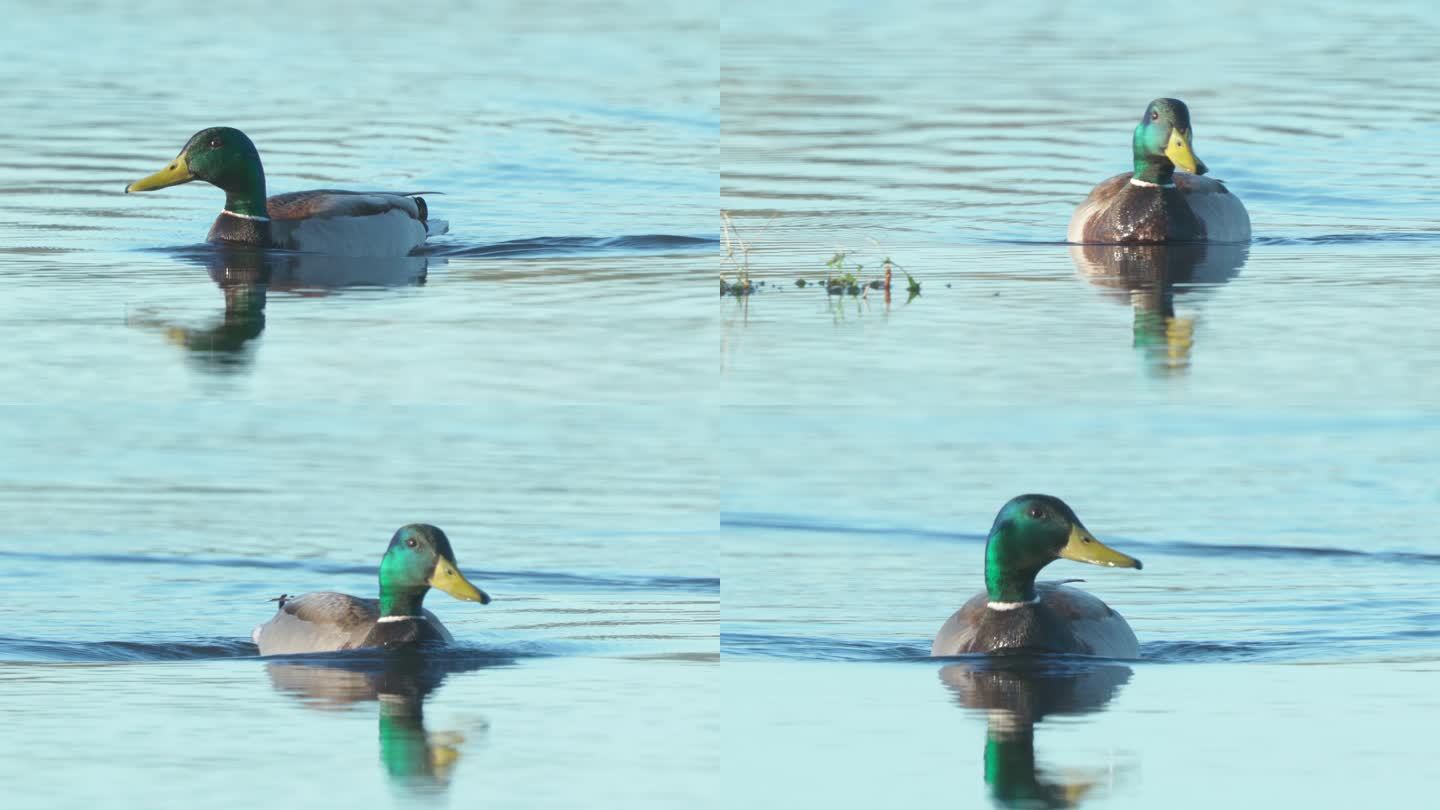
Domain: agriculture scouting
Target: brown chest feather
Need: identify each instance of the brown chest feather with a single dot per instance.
(1145, 214)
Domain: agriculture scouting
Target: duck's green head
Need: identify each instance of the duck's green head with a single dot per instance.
(420, 558)
(1031, 532)
(222, 156)
(1163, 142)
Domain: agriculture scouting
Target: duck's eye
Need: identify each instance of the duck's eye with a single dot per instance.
(1036, 512)
(411, 543)
(1154, 116)
(216, 142)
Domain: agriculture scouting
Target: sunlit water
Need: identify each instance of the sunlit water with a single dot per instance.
(1257, 424)
(193, 432)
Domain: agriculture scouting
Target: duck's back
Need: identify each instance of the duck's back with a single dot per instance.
(324, 621)
(1065, 620)
(1196, 209)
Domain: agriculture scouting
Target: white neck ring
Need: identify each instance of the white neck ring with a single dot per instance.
(1147, 184)
(397, 618)
(244, 216)
(1012, 605)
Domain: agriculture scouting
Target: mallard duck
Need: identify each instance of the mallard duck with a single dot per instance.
(1155, 203)
(1014, 613)
(419, 558)
(347, 223)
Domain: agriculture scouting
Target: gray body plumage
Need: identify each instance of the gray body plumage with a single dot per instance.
(342, 223)
(1065, 620)
(326, 621)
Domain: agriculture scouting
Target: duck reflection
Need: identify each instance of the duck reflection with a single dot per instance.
(1017, 693)
(246, 276)
(415, 758)
(1146, 277)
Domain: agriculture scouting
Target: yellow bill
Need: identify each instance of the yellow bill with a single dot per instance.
(1083, 547)
(448, 578)
(173, 175)
(442, 759)
(1179, 152)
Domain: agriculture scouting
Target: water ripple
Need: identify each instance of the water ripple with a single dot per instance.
(814, 648)
(555, 579)
(37, 650)
(802, 524)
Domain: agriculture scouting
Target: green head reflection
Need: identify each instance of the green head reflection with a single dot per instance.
(1016, 693)
(1149, 277)
(415, 758)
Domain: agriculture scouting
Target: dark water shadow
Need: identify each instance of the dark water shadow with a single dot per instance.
(819, 525)
(549, 580)
(541, 247)
(17, 650)
(1377, 237)
(815, 648)
(859, 650)
(1382, 237)
(1017, 693)
(1148, 277)
(416, 759)
(460, 656)
(246, 276)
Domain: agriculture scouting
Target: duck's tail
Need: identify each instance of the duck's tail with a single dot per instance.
(433, 227)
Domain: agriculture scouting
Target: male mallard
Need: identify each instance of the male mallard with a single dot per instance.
(419, 557)
(1013, 613)
(348, 223)
(1155, 203)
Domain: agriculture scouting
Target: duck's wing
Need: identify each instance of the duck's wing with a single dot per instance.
(958, 634)
(1093, 623)
(351, 223)
(329, 202)
(1222, 213)
(317, 622)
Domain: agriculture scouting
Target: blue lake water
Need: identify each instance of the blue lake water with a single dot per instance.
(1258, 425)
(189, 433)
